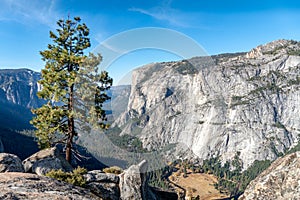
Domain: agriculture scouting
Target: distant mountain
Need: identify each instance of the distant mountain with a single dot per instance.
(19, 87)
(18, 144)
(18, 94)
(118, 102)
(14, 117)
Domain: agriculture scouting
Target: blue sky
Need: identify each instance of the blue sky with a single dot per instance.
(219, 26)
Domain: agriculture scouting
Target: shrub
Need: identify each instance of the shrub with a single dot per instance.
(113, 170)
(75, 177)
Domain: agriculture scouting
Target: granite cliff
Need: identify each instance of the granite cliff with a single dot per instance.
(219, 105)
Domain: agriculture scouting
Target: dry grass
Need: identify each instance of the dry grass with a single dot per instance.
(198, 184)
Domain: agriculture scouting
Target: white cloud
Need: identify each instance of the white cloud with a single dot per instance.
(166, 13)
(26, 12)
(108, 47)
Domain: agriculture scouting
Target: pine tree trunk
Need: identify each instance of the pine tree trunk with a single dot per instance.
(69, 149)
(71, 127)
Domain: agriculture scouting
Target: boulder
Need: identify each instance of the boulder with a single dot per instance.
(133, 183)
(43, 166)
(46, 160)
(10, 163)
(103, 184)
(31, 186)
(107, 191)
(99, 176)
(280, 181)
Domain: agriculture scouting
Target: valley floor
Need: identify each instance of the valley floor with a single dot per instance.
(198, 184)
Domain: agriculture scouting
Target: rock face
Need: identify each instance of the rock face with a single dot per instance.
(46, 160)
(31, 186)
(107, 191)
(103, 185)
(280, 181)
(133, 183)
(99, 176)
(10, 163)
(219, 105)
(19, 86)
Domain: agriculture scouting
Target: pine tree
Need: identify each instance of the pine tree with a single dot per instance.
(73, 87)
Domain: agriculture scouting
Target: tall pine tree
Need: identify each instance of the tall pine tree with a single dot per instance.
(74, 89)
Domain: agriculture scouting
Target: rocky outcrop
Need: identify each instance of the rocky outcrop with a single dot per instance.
(31, 186)
(100, 176)
(46, 160)
(280, 181)
(10, 163)
(219, 105)
(129, 185)
(133, 183)
(103, 185)
(107, 191)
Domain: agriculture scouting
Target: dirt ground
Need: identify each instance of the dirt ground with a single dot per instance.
(199, 184)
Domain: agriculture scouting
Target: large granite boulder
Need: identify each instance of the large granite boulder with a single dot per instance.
(46, 160)
(100, 176)
(280, 181)
(31, 186)
(103, 184)
(133, 183)
(10, 163)
(107, 191)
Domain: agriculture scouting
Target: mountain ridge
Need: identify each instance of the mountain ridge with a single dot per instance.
(19, 86)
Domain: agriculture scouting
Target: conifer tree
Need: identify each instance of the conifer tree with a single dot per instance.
(73, 88)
